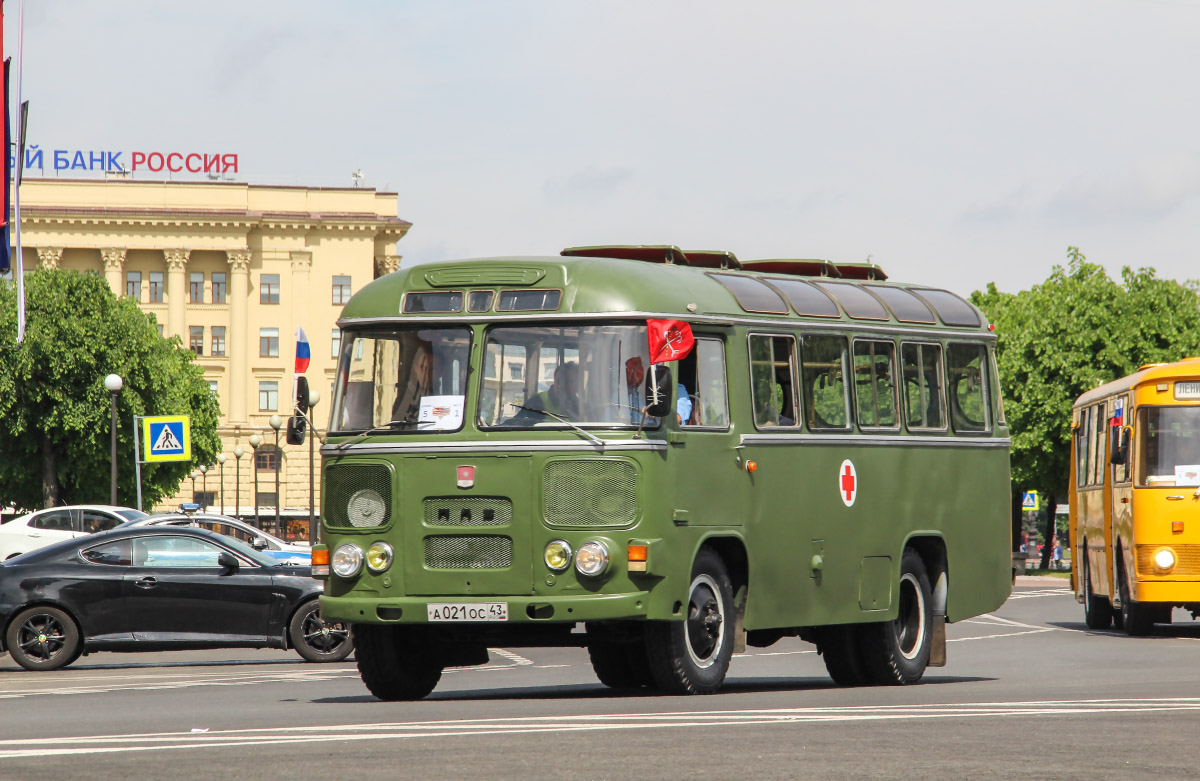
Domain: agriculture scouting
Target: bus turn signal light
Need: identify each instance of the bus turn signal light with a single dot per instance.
(751, 466)
(320, 562)
(1177, 527)
(637, 558)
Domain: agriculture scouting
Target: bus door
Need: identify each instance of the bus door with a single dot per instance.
(705, 453)
(1119, 492)
(1167, 457)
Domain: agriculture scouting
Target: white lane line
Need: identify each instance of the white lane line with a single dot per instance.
(1044, 592)
(104, 744)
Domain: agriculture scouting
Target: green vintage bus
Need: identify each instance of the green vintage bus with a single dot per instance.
(505, 467)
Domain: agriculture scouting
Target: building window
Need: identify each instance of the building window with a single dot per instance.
(196, 339)
(267, 499)
(268, 342)
(266, 460)
(218, 341)
(159, 326)
(133, 285)
(268, 395)
(156, 287)
(218, 287)
(341, 290)
(205, 498)
(212, 388)
(337, 343)
(196, 287)
(268, 289)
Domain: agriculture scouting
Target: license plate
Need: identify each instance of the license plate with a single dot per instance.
(468, 611)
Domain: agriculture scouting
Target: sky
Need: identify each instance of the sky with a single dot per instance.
(952, 143)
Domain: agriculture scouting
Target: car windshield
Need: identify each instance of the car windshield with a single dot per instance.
(555, 376)
(401, 379)
(1169, 446)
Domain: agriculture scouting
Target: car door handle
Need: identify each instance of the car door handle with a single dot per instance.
(146, 582)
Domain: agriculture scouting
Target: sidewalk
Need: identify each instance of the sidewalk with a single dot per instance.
(1043, 581)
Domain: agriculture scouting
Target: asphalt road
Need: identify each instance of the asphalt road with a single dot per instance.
(1028, 693)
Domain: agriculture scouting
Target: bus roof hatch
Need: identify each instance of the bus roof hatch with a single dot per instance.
(650, 253)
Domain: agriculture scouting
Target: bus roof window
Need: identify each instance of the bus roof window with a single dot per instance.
(752, 295)
(439, 301)
(805, 298)
(857, 302)
(952, 309)
(528, 300)
(904, 305)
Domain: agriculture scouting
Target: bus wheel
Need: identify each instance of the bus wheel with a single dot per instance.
(620, 665)
(692, 656)
(839, 648)
(395, 664)
(1097, 611)
(1138, 618)
(897, 651)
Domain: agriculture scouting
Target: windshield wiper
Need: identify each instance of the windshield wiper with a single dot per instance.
(391, 424)
(561, 419)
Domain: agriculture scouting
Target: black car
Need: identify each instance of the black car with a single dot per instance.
(158, 588)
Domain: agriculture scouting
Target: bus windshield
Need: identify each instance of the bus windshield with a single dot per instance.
(1170, 446)
(402, 379)
(553, 376)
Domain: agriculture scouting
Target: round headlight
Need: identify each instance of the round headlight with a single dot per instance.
(1164, 559)
(558, 555)
(365, 508)
(591, 559)
(379, 557)
(347, 560)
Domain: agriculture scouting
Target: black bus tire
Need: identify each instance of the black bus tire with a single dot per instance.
(1138, 619)
(839, 649)
(1097, 611)
(43, 638)
(395, 664)
(692, 656)
(897, 652)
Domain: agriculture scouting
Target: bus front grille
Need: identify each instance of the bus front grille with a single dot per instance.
(467, 511)
(357, 496)
(590, 493)
(468, 552)
(1187, 564)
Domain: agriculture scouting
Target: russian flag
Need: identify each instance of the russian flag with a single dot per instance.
(302, 352)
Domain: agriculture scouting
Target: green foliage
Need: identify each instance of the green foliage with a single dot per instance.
(55, 412)
(1077, 330)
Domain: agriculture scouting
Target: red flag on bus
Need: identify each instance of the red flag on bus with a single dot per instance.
(670, 340)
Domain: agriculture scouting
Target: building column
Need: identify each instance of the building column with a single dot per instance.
(239, 343)
(386, 264)
(176, 283)
(49, 257)
(114, 267)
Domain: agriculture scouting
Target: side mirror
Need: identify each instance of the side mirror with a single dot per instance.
(658, 379)
(259, 543)
(226, 560)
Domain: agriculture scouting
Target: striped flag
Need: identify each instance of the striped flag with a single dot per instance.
(302, 352)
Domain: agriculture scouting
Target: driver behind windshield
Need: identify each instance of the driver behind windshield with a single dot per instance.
(561, 398)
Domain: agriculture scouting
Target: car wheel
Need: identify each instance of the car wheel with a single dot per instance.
(318, 640)
(692, 656)
(43, 638)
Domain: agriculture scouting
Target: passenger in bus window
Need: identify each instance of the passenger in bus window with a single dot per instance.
(683, 406)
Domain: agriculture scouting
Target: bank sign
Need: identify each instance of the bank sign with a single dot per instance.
(105, 161)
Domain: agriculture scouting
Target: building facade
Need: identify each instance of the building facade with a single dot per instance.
(232, 269)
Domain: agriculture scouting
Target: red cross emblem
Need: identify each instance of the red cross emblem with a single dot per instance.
(848, 482)
(466, 476)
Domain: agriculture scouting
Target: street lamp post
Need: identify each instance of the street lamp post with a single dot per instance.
(195, 474)
(238, 452)
(276, 422)
(204, 486)
(255, 441)
(113, 384)
(313, 397)
(221, 469)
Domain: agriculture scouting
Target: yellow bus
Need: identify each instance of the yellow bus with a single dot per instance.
(1135, 497)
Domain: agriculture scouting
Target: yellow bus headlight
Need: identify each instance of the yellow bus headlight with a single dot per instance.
(379, 557)
(558, 555)
(1164, 560)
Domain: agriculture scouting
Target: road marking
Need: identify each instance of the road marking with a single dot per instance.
(424, 730)
(1041, 592)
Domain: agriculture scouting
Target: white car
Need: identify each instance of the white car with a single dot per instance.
(44, 527)
(281, 550)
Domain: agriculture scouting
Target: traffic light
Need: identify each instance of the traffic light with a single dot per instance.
(297, 426)
(301, 395)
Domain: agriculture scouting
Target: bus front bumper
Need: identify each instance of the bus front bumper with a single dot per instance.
(1175, 592)
(521, 609)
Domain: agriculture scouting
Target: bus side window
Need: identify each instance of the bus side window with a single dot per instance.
(1081, 449)
(772, 377)
(702, 373)
(967, 370)
(825, 381)
(923, 393)
(875, 383)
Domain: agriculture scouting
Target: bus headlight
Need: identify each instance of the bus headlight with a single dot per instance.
(365, 508)
(347, 560)
(591, 559)
(1164, 560)
(379, 557)
(557, 555)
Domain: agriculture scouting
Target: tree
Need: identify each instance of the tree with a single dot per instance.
(55, 413)
(1077, 330)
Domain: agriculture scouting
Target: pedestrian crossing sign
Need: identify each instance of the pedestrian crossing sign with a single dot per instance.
(167, 437)
(1031, 501)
